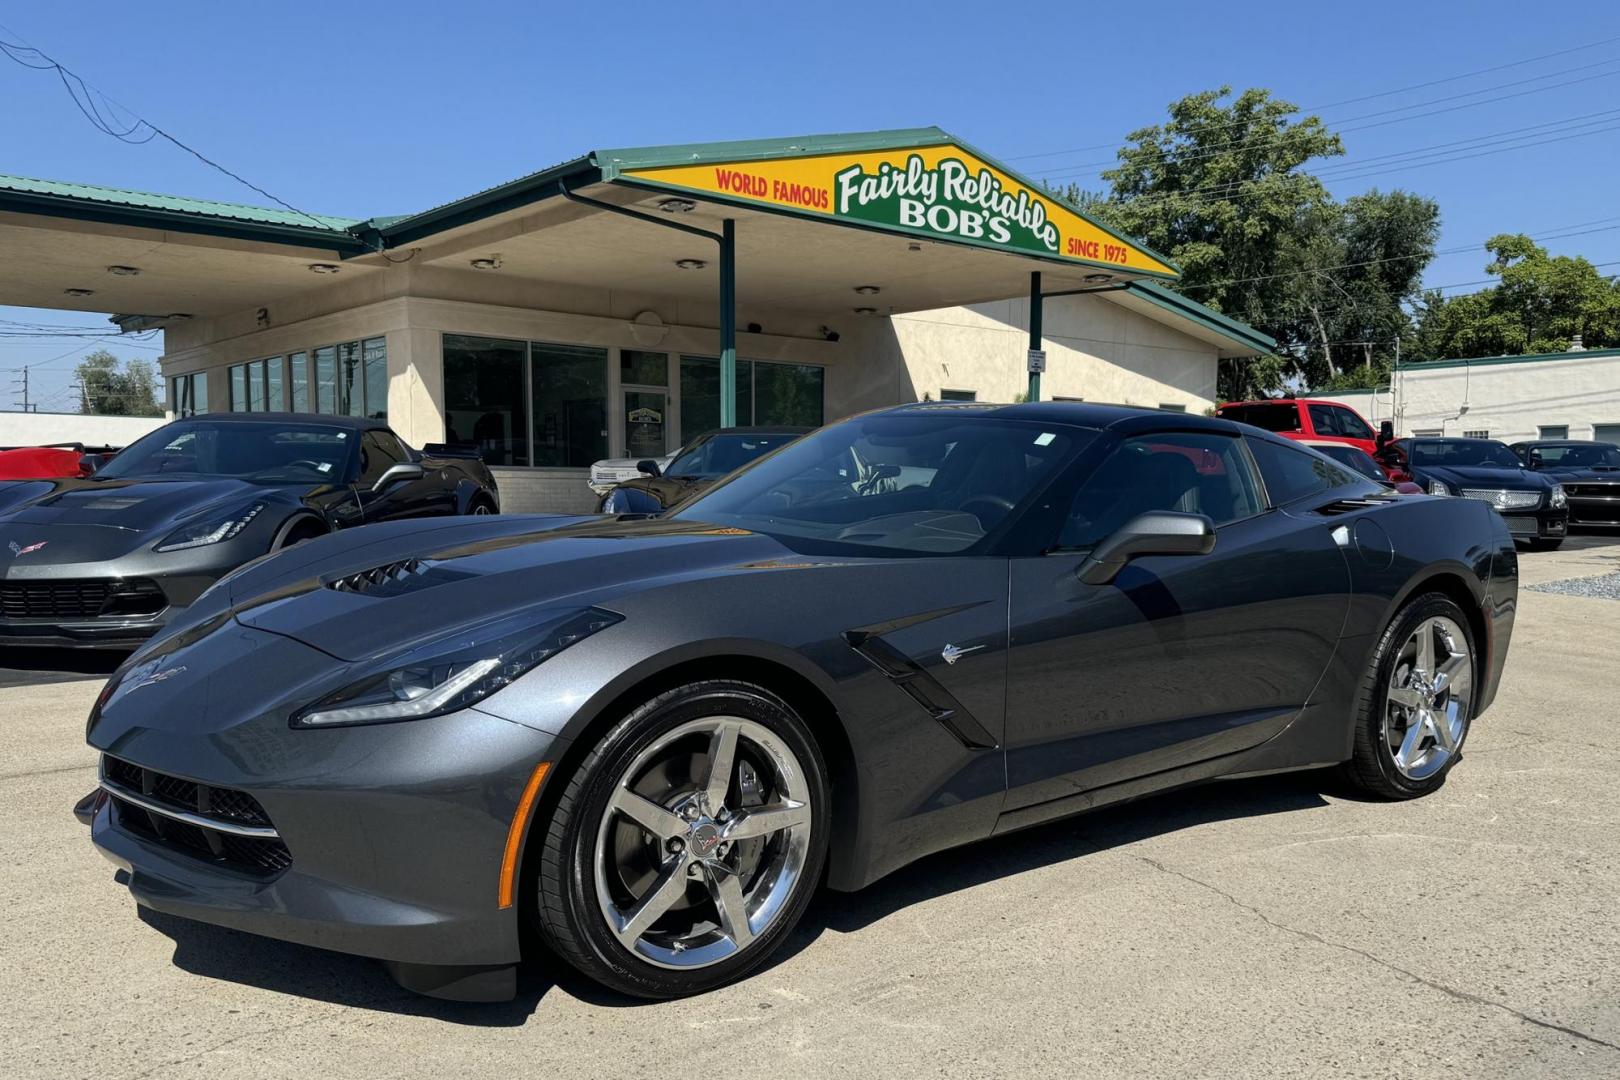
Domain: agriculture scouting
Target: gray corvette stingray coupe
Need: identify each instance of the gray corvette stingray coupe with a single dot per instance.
(108, 560)
(649, 742)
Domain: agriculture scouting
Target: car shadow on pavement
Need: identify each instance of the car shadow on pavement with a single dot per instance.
(235, 956)
(32, 665)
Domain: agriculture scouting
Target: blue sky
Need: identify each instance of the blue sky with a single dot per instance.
(358, 108)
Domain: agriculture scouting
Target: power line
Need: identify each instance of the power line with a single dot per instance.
(1365, 97)
(76, 86)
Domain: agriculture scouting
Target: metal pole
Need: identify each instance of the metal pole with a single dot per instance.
(1034, 393)
(728, 323)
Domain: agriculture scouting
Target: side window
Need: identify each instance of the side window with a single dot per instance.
(1352, 425)
(1191, 473)
(378, 451)
(1292, 474)
(1324, 421)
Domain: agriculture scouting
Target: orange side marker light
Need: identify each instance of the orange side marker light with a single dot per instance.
(514, 834)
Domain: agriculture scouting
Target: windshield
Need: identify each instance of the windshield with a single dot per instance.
(887, 484)
(1591, 455)
(1465, 452)
(723, 453)
(262, 453)
(1281, 416)
(1357, 459)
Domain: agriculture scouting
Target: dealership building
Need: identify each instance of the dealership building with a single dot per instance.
(621, 302)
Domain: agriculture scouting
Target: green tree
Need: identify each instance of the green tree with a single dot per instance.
(1222, 189)
(1540, 304)
(108, 387)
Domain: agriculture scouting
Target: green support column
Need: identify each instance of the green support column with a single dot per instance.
(728, 324)
(1034, 332)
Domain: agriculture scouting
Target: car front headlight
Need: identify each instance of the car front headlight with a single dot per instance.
(1558, 500)
(211, 529)
(1438, 487)
(455, 672)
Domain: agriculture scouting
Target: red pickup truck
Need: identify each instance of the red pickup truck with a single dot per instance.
(1305, 418)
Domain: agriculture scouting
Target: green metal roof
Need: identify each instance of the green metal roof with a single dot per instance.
(1527, 358)
(174, 203)
(1229, 328)
(613, 162)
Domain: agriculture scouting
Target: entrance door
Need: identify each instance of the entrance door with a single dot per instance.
(646, 415)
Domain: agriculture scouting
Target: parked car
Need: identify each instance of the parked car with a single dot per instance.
(609, 472)
(108, 560)
(694, 467)
(1589, 473)
(1536, 508)
(649, 741)
(1362, 462)
(1305, 418)
(53, 461)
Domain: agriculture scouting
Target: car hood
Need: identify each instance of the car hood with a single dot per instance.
(1582, 473)
(132, 505)
(398, 588)
(1478, 476)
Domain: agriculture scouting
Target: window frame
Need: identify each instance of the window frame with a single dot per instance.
(1341, 413)
(1304, 451)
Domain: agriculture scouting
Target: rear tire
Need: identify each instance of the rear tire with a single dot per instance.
(687, 844)
(1415, 703)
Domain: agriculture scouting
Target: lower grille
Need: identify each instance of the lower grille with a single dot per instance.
(90, 598)
(221, 825)
(1522, 526)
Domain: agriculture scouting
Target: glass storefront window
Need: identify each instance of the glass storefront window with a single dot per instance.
(643, 368)
(483, 397)
(239, 390)
(188, 394)
(326, 379)
(789, 394)
(569, 401)
(351, 391)
(275, 401)
(255, 375)
(374, 358)
(300, 381)
(700, 395)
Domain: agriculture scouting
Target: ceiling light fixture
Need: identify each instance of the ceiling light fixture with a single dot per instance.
(867, 290)
(690, 264)
(124, 271)
(914, 246)
(1098, 279)
(677, 206)
(866, 311)
(323, 268)
(491, 263)
(80, 292)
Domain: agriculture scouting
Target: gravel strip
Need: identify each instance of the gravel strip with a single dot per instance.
(1604, 587)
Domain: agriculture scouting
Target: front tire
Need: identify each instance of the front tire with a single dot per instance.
(688, 843)
(1416, 701)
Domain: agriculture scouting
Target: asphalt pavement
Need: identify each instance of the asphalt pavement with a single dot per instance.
(1260, 928)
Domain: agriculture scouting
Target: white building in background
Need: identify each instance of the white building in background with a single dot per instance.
(1567, 395)
(45, 428)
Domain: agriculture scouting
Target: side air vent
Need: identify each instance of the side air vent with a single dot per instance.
(921, 688)
(1350, 506)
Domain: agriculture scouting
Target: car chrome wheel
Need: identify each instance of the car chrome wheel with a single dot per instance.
(703, 843)
(480, 510)
(1429, 693)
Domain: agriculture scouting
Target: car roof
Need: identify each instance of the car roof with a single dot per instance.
(348, 423)
(1562, 442)
(1124, 419)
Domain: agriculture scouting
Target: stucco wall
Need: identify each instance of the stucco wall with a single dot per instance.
(37, 429)
(1509, 401)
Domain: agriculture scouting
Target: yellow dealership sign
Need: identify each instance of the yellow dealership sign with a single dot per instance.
(941, 191)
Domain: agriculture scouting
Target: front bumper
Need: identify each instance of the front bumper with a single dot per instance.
(1600, 508)
(1543, 524)
(395, 832)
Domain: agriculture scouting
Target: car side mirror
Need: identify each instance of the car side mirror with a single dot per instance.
(1386, 433)
(398, 474)
(650, 467)
(1157, 532)
(90, 464)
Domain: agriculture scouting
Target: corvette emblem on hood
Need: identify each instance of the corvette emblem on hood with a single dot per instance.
(18, 550)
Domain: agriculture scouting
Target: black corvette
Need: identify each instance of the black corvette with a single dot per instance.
(1535, 507)
(650, 741)
(695, 466)
(110, 559)
(1589, 473)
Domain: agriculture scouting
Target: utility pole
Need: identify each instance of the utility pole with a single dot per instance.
(23, 382)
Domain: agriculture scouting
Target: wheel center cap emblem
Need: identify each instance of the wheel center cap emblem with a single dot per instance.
(705, 838)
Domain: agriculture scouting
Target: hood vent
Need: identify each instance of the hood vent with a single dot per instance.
(396, 578)
(1350, 506)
